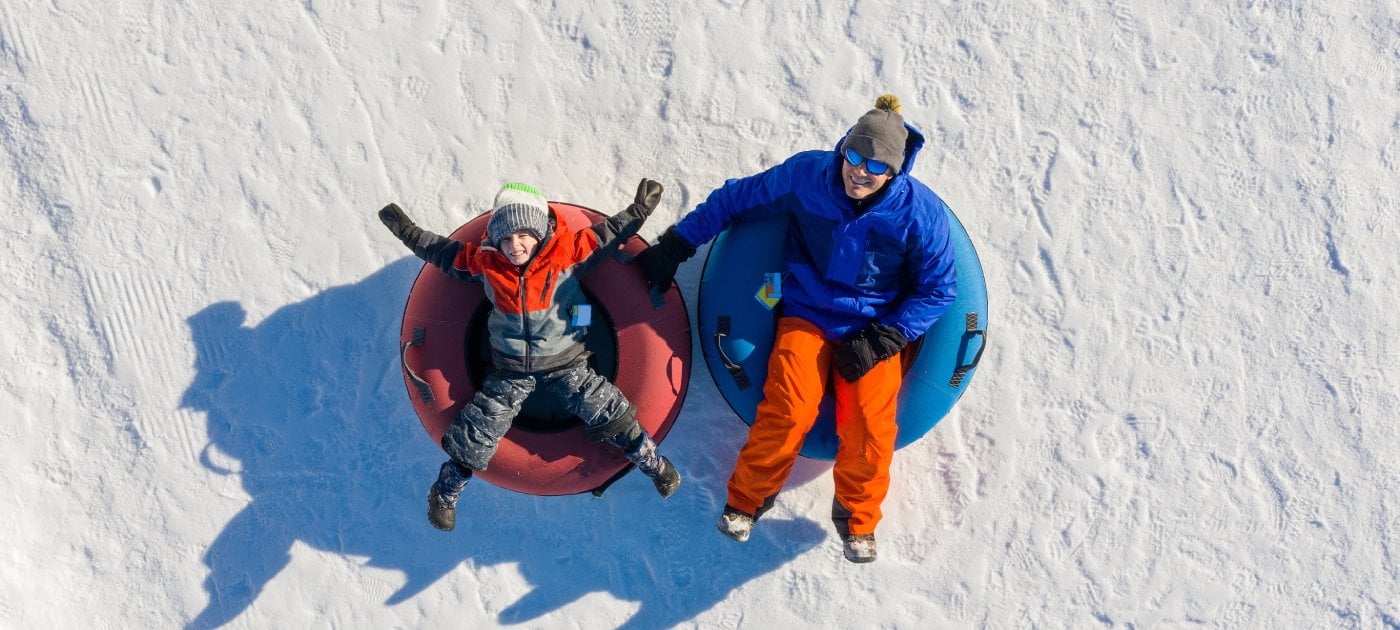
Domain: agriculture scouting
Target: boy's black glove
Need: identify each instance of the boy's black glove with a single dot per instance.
(399, 224)
(622, 226)
(424, 244)
(659, 262)
(648, 195)
(873, 344)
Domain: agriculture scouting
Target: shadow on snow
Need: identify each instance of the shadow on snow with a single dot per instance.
(311, 404)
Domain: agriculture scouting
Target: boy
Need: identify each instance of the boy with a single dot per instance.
(531, 266)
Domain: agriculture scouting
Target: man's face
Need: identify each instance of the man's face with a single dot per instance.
(860, 183)
(519, 247)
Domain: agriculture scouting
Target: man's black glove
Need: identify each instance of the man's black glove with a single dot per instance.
(648, 195)
(873, 344)
(659, 262)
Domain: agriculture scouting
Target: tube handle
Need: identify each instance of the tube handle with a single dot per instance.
(424, 391)
(973, 331)
(736, 371)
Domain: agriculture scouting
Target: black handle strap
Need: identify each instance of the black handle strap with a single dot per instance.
(598, 492)
(961, 371)
(736, 371)
(658, 298)
(424, 391)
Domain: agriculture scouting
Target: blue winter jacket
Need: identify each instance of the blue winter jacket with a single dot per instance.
(891, 264)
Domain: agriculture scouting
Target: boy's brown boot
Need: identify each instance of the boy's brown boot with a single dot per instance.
(442, 497)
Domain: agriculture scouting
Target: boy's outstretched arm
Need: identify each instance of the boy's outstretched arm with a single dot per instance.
(623, 225)
(439, 251)
(614, 231)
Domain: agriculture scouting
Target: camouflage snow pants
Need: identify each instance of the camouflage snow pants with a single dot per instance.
(606, 413)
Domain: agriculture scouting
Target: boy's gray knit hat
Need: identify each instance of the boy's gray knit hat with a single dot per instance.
(880, 134)
(518, 207)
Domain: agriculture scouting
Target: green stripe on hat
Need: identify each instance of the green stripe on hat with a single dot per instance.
(525, 188)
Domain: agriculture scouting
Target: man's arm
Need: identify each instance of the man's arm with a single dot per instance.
(935, 282)
(932, 265)
(737, 200)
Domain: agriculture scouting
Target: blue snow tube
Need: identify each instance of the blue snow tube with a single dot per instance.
(737, 331)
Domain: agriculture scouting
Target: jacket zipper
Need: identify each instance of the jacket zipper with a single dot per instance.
(525, 322)
(548, 279)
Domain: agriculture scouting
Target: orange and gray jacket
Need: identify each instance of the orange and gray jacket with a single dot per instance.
(532, 325)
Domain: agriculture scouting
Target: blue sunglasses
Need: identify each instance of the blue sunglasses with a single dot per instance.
(875, 167)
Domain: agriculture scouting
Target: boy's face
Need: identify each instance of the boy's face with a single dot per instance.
(519, 247)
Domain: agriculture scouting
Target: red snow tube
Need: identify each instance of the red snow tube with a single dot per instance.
(644, 350)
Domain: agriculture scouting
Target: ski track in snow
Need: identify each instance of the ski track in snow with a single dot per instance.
(1185, 215)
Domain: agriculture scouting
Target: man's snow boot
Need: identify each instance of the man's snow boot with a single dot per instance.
(735, 524)
(442, 497)
(860, 547)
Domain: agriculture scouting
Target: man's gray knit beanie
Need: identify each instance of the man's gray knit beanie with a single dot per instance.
(880, 134)
(518, 207)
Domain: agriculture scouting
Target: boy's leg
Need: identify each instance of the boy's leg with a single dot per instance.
(443, 495)
(639, 448)
(472, 440)
(475, 434)
(603, 407)
(797, 371)
(609, 417)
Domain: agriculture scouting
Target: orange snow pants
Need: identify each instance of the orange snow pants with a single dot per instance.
(865, 426)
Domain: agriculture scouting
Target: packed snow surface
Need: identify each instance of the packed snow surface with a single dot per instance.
(1186, 212)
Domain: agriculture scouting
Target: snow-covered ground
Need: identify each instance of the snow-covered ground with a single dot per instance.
(1186, 213)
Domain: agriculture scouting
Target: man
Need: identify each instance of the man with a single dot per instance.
(870, 267)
